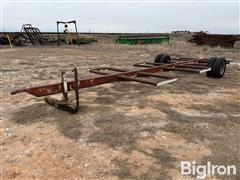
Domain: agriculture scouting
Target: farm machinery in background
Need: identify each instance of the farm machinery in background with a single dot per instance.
(143, 39)
(16, 39)
(213, 67)
(28, 34)
(34, 36)
(68, 38)
(71, 38)
(225, 40)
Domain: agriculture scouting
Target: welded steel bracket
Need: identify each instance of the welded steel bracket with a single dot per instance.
(65, 104)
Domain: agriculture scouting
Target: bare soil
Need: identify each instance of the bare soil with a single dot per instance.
(124, 130)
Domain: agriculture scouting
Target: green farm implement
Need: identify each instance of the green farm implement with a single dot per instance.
(143, 39)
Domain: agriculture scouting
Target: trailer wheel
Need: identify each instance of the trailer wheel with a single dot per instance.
(218, 68)
(157, 58)
(210, 64)
(165, 58)
(162, 58)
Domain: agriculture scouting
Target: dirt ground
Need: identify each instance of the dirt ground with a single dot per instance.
(124, 130)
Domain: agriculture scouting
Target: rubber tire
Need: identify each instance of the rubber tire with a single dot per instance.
(218, 68)
(162, 58)
(210, 64)
(165, 58)
(157, 58)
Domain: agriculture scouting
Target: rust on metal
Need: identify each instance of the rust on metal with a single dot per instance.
(119, 75)
(65, 104)
(33, 34)
(224, 40)
(110, 74)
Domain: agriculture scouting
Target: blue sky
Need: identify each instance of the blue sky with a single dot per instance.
(215, 17)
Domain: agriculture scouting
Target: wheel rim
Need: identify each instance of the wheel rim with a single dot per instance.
(222, 70)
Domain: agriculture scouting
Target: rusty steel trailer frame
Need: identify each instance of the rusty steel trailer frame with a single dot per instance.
(109, 74)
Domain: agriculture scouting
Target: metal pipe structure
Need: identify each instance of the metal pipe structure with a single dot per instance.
(225, 40)
(119, 76)
(58, 35)
(110, 74)
(69, 22)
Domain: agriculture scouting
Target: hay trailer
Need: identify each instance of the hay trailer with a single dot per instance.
(214, 67)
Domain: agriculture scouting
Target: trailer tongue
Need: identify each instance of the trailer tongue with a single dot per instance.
(215, 67)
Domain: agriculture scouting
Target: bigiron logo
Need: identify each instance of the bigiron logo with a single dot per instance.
(207, 170)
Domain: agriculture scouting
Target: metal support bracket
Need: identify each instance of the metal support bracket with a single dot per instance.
(64, 104)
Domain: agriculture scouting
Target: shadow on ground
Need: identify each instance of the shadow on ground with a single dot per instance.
(117, 129)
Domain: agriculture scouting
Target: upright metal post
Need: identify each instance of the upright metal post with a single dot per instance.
(64, 87)
(76, 31)
(76, 89)
(58, 33)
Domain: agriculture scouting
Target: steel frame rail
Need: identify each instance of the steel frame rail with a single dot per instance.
(186, 65)
(110, 74)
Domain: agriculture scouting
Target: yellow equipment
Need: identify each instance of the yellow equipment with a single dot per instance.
(9, 40)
